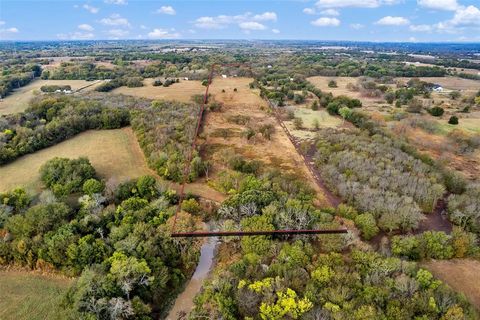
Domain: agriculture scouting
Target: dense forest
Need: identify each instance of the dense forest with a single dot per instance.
(116, 240)
(303, 278)
(377, 177)
(14, 76)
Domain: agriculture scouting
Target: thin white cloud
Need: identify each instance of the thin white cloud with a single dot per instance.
(326, 22)
(166, 10)
(163, 34)
(355, 3)
(209, 23)
(451, 5)
(10, 30)
(78, 35)
(392, 21)
(309, 11)
(330, 12)
(90, 8)
(347, 3)
(251, 25)
(356, 26)
(276, 31)
(115, 20)
(2, 23)
(85, 27)
(143, 27)
(222, 21)
(118, 33)
(117, 2)
(266, 16)
(421, 28)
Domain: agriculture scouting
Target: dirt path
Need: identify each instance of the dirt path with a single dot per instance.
(313, 173)
(437, 220)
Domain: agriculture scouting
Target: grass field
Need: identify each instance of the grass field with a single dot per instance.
(17, 101)
(113, 153)
(278, 152)
(461, 275)
(28, 296)
(182, 91)
(308, 117)
(471, 125)
(452, 83)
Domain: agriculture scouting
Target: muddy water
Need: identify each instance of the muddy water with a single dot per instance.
(184, 302)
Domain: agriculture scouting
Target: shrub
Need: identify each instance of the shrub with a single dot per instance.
(191, 206)
(367, 225)
(65, 176)
(332, 84)
(92, 186)
(453, 120)
(298, 123)
(436, 111)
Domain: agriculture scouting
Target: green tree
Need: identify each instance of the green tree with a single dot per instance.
(436, 111)
(129, 272)
(92, 186)
(453, 120)
(367, 225)
(65, 176)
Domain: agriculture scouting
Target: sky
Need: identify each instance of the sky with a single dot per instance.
(358, 20)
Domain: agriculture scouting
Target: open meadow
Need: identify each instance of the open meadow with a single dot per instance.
(460, 274)
(113, 153)
(17, 101)
(182, 91)
(30, 296)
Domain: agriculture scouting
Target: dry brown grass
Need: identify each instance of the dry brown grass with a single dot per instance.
(451, 83)
(18, 100)
(277, 153)
(113, 153)
(182, 91)
(461, 275)
(26, 295)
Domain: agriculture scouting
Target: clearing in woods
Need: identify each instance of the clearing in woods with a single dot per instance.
(182, 91)
(29, 296)
(460, 274)
(17, 101)
(221, 132)
(114, 153)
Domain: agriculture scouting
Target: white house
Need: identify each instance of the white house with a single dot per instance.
(224, 76)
